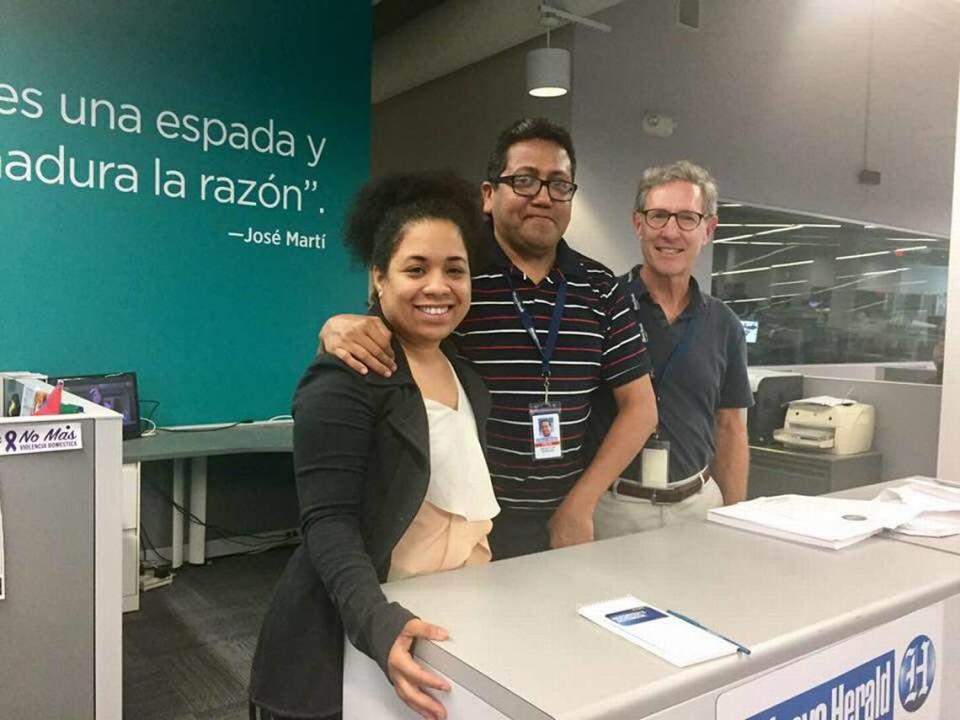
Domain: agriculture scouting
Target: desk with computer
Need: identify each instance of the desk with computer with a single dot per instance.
(188, 448)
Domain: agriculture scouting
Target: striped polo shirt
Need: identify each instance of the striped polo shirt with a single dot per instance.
(598, 341)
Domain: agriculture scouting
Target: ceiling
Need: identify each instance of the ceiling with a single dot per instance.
(417, 41)
(388, 15)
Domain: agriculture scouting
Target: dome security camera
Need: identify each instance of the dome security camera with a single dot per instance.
(658, 125)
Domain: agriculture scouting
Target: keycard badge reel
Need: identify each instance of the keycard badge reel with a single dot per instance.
(655, 464)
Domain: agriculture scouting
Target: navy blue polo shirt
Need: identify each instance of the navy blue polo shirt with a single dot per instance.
(708, 373)
(598, 342)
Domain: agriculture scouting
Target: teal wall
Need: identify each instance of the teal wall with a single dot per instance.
(99, 280)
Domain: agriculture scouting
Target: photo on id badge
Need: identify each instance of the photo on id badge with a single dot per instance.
(545, 420)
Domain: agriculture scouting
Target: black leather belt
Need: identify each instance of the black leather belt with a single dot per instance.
(660, 496)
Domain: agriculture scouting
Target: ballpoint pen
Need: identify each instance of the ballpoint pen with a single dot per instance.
(743, 649)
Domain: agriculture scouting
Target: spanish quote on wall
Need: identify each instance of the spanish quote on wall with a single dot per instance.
(60, 166)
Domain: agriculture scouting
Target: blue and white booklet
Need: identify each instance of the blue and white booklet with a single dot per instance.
(668, 637)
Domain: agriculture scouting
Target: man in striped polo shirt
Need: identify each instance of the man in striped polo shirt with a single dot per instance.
(547, 325)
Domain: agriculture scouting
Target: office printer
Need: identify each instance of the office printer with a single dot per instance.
(840, 427)
(772, 390)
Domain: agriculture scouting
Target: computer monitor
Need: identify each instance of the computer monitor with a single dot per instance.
(750, 329)
(115, 391)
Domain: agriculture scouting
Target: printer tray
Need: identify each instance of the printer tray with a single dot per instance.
(818, 439)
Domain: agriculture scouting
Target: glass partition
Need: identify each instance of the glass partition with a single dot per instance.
(812, 291)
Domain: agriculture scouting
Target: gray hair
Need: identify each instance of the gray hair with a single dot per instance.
(680, 170)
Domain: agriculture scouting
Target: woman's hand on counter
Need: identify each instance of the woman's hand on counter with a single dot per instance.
(411, 681)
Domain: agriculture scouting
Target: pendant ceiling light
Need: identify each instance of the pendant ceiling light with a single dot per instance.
(548, 69)
(548, 72)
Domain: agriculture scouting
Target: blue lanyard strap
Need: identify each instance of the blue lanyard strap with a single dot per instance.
(546, 353)
(678, 351)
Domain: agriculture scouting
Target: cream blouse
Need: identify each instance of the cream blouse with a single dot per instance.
(450, 529)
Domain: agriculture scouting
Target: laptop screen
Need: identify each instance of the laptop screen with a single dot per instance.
(116, 391)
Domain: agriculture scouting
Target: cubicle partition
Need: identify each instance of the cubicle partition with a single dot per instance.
(907, 420)
(60, 616)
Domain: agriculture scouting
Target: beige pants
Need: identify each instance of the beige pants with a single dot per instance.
(623, 515)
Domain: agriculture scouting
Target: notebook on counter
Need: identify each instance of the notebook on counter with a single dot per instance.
(822, 521)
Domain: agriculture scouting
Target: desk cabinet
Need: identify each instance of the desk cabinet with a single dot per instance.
(131, 537)
(60, 623)
(775, 471)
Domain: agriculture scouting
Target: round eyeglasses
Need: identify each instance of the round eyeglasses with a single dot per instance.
(686, 219)
(530, 186)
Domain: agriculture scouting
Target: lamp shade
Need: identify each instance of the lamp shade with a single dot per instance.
(548, 72)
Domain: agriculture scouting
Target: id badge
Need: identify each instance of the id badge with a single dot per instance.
(655, 464)
(545, 427)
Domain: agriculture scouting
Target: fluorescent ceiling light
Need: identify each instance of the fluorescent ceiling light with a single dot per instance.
(758, 299)
(723, 205)
(740, 272)
(789, 282)
(779, 230)
(909, 249)
(792, 264)
(862, 255)
(915, 239)
(773, 225)
(734, 237)
(884, 272)
(786, 295)
(822, 225)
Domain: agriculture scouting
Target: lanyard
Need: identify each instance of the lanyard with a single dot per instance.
(678, 350)
(546, 353)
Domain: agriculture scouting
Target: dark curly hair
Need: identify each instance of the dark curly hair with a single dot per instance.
(529, 129)
(384, 207)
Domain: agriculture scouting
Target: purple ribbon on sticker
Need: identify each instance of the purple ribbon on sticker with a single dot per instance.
(11, 438)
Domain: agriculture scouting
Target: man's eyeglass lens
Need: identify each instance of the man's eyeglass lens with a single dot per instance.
(686, 220)
(530, 185)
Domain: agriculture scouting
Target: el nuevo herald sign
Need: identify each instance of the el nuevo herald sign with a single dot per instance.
(887, 673)
(38, 438)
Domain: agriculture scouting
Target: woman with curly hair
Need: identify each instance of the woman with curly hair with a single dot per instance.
(390, 472)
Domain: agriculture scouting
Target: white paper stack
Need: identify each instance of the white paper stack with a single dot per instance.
(937, 503)
(821, 521)
(666, 636)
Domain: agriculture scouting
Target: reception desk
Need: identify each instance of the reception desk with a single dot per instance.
(518, 648)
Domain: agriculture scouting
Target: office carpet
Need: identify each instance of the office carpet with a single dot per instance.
(187, 652)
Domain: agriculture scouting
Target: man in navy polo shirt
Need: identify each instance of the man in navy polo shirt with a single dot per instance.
(698, 458)
(546, 327)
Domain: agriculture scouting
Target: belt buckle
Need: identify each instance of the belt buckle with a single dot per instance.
(653, 497)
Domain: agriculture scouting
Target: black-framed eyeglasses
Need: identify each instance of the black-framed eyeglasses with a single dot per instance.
(686, 219)
(530, 186)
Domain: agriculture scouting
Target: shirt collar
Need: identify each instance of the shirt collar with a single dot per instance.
(403, 375)
(640, 291)
(491, 255)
